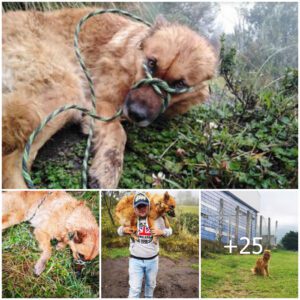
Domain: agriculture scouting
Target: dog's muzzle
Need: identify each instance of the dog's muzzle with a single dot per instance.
(171, 213)
(138, 113)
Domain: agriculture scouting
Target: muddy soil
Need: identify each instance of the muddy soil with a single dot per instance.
(61, 143)
(176, 279)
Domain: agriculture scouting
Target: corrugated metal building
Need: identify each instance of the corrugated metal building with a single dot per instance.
(224, 215)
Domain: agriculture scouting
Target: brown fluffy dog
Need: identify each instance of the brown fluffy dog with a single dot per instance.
(262, 264)
(160, 205)
(41, 73)
(55, 215)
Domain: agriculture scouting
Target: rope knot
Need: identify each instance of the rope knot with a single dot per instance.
(161, 87)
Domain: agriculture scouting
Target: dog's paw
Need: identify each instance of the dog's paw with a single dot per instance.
(39, 268)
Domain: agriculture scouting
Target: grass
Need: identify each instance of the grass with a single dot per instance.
(114, 253)
(260, 152)
(229, 276)
(183, 209)
(20, 252)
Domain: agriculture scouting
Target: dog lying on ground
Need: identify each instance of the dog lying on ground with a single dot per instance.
(160, 205)
(54, 215)
(41, 74)
(262, 264)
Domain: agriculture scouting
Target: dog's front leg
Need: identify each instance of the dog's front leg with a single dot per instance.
(44, 243)
(109, 146)
(267, 270)
(166, 220)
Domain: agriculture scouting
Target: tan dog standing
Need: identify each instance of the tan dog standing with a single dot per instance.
(262, 264)
(54, 215)
(41, 74)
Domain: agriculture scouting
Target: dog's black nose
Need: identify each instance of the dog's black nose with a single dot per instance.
(137, 112)
(171, 213)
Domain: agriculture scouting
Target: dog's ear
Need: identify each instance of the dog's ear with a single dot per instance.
(77, 236)
(160, 21)
(166, 197)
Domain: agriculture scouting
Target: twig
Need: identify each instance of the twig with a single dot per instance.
(168, 148)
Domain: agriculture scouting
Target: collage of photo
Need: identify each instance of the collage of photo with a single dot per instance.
(149, 150)
(161, 244)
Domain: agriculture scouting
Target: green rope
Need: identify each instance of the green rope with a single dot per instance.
(161, 87)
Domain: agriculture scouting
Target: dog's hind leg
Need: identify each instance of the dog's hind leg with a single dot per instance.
(151, 226)
(11, 219)
(22, 113)
(44, 243)
(133, 226)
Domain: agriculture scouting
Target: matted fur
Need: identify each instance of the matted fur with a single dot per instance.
(41, 73)
(55, 215)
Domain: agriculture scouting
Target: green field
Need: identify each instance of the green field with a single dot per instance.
(20, 252)
(183, 209)
(229, 276)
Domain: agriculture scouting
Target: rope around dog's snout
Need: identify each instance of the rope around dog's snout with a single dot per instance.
(157, 84)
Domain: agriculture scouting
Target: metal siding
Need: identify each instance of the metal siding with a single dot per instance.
(211, 217)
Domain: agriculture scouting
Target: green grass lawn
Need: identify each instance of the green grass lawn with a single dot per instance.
(183, 209)
(20, 252)
(229, 276)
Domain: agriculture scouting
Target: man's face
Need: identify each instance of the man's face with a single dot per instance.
(141, 210)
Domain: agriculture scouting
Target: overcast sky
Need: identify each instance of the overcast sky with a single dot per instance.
(280, 205)
(228, 16)
(195, 193)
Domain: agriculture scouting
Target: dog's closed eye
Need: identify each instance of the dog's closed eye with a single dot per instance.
(179, 84)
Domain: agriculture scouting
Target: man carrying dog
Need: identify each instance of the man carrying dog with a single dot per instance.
(144, 251)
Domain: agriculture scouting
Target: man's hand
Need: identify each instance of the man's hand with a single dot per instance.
(157, 232)
(127, 230)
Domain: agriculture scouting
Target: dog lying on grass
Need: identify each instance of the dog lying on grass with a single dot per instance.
(262, 264)
(54, 215)
(160, 205)
(41, 74)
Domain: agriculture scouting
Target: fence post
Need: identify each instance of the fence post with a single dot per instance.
(248, 224)
(236, 234)
(275, 234)
(260, 225)
(221, 221)
(269, 232)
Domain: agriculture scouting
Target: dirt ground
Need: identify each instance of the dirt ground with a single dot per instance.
(176, 279)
